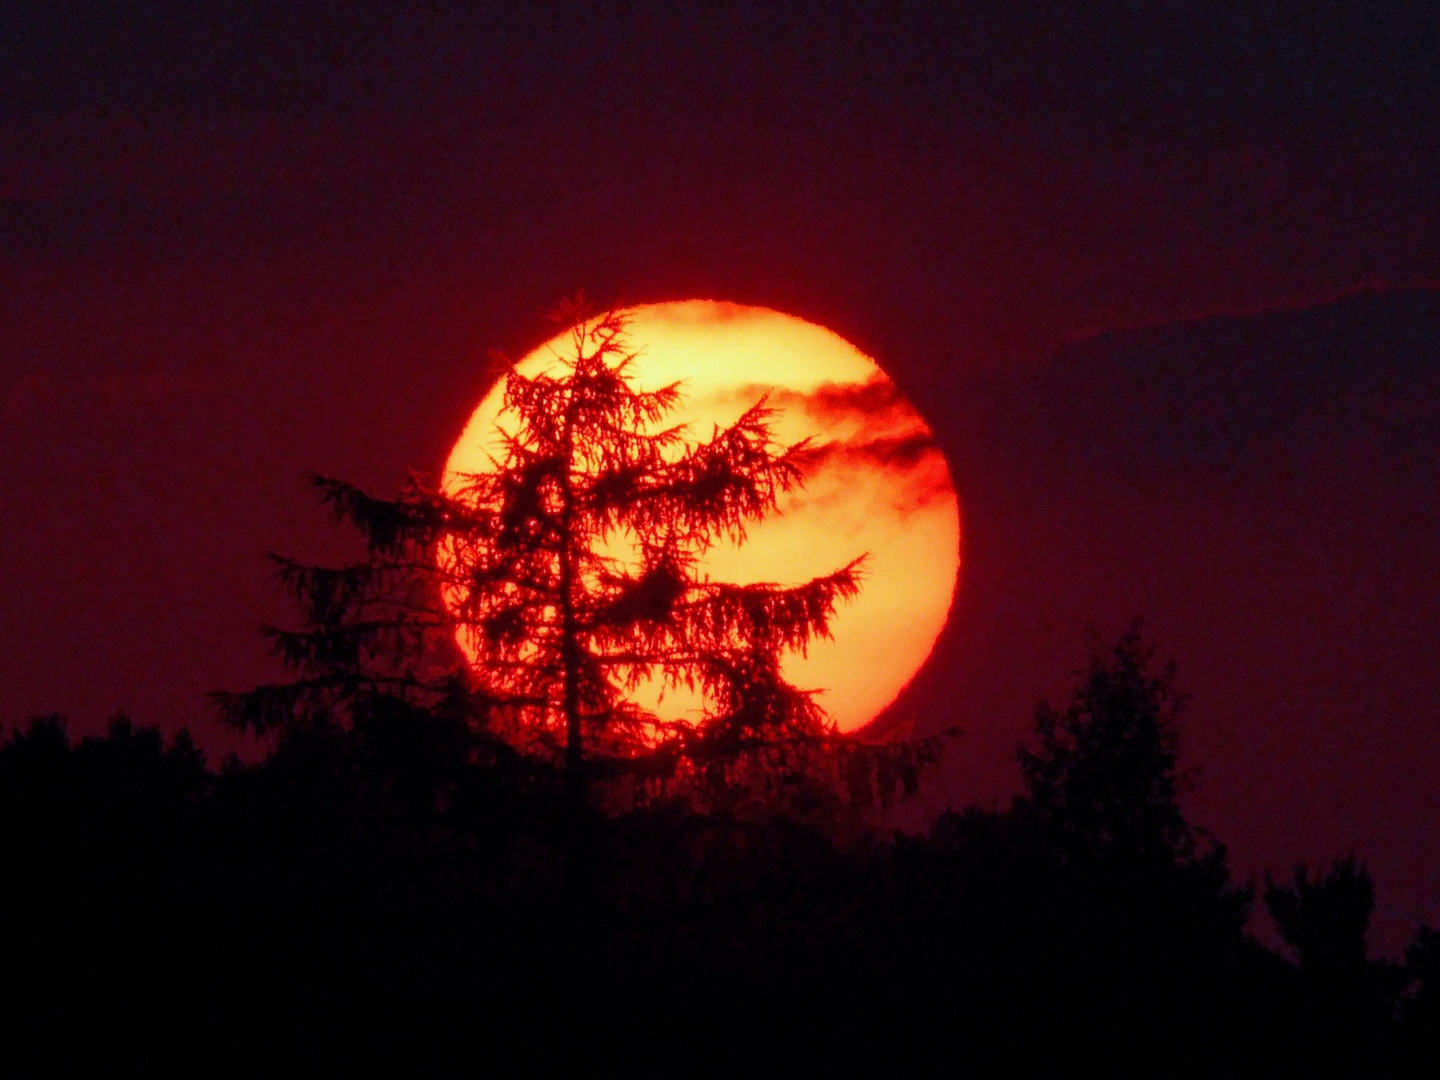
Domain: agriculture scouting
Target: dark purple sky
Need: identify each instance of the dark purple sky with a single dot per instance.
(238, 247)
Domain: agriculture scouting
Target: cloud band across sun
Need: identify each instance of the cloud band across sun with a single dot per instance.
(860, 428)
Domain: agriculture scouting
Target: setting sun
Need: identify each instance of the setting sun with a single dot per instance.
(878, 486)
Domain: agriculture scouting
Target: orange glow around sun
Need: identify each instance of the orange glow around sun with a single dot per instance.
(880, 486)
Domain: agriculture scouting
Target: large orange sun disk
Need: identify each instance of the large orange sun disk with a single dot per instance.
(881, 488)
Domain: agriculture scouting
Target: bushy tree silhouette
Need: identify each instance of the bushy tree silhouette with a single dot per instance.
(1421, 1012)
(1348, 1000)
(1103, 772)
(1142, 931)
(1325, 918)
(570, 575)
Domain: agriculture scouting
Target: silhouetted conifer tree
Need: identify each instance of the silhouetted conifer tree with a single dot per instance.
(570, 572)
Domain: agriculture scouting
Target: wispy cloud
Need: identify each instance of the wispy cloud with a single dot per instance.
(876, 399)
(860, 428)
(901, 452)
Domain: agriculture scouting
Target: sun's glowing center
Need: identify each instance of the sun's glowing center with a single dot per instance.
(880, 487)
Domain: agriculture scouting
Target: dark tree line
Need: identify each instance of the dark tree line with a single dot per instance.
(398, 890)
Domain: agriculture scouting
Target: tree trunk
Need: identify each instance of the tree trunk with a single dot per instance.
(569, 630)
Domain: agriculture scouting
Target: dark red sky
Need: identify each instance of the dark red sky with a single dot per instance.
(237, 248)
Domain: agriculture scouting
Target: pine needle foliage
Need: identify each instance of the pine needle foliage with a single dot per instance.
(569, 574)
